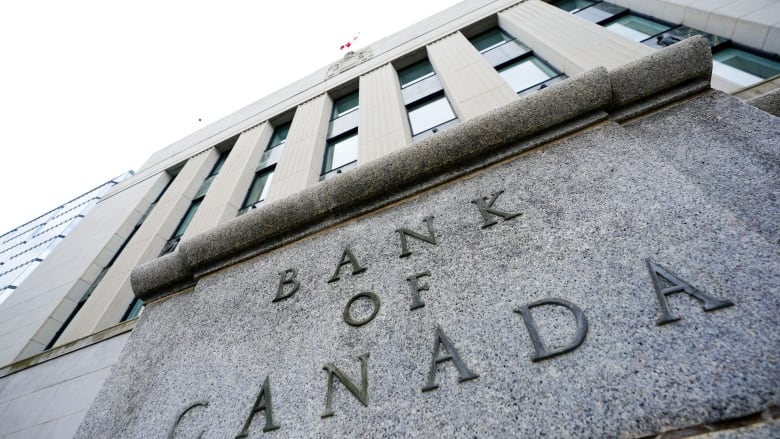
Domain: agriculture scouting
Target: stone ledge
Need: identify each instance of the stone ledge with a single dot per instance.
(65, 349)
(589, 92)
(769, 102)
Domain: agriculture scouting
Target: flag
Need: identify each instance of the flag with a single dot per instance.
(348, 44)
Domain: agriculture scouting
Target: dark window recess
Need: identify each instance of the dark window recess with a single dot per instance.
(515, 62)
(741, 66)
(427, 106)
(105, 269)
(341, 148)
(173, 241)
(258, 189)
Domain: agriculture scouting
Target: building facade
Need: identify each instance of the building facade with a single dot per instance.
(459, 65)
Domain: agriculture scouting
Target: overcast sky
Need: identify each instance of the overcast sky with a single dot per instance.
(89, 89)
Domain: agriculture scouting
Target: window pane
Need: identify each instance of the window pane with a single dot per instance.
(187, 218)
(636, 28)
(134, 310)
(218, 165)
(344, 105)
(421, 89)
(572, 5)
(430, 114)
(280, 135)
(415, 72)
(340, 152)
(599, 12)
(742, 67)
(526, 73)
(490, 39)
(343, 124)
(259, 188)
(680, 33)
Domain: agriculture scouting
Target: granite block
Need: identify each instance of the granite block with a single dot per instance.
(576, 223)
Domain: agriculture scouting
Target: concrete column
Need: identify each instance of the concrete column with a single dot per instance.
(301, 162)
(568, 42)
(472, 85)
(109, 301)
(383, 123)
(35, 312)
(228, 190)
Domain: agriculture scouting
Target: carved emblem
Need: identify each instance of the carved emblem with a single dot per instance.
(351, 59)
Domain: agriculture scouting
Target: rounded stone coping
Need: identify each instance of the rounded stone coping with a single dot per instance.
(591, 91)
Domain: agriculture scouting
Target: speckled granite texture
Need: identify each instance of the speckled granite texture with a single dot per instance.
(693, 187)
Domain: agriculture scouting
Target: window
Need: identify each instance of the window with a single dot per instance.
(258, 189)
(280, 135)
(342, 141)
(429, 114)
(515, 62)
(636, 28)
(737, 65)
(134, 310)
(573, 5)
(426, 105)
(743, 68)
(173, 241)
(340, 152)
(264, 171)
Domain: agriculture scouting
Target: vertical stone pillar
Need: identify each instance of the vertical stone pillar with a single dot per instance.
(383, 126)
(109, 301)
(301, 162)
(472, 85)
(227, 191)
(568, 42)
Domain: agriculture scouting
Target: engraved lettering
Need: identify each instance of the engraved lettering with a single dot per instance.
(416, 288)
(678, 286)
(464, 373)
(262, 403)
(486, 209)
(360, 393)
(430, 239)
(287, 277)
(348, 316)
(184, 412)
(347, 258)
(541, 351)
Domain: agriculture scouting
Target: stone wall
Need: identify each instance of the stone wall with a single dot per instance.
(596, 260)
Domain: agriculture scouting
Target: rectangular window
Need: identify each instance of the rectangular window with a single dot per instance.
(573, 5)
(515, 62)
(341, 149)
(636, 28)
(258, 189)
(340, 153)
(426, 104)
(344, 105)
(173, 242)
(280, 135)
(743, 68)
(430, 113)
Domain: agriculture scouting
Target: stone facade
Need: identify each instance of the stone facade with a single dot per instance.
(606, 270)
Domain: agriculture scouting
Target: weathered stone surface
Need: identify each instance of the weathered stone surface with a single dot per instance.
(769, 102)
(687, 60)
(691, 187)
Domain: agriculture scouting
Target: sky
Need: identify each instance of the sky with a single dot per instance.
(90, 89)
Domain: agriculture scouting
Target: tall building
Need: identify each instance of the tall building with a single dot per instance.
(25, 247)
(62, 329)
